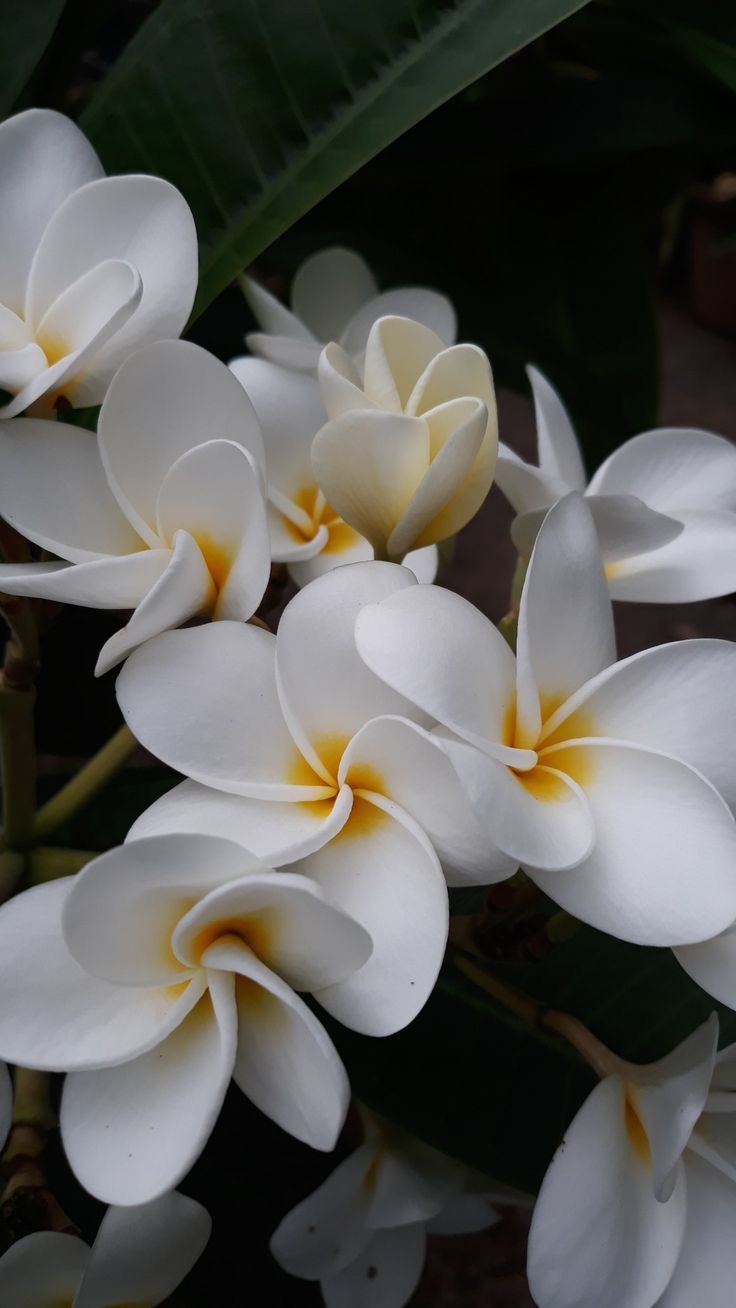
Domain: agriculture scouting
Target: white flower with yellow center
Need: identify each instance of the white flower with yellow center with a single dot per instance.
(139, 1257)
(334, 297)
(294, 748)
(664, 503)
(408, 455)
(306, 533)
(163, 513)
(363, 1233)
(91, 267)
(607, 782)
(638, 1207)
(162, 970)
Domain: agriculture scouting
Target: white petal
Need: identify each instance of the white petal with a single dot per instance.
(184, 589)
(142, 1253)
(669, 1096)
(541, 819)
(404, 762)
(382, 870)
(465, 1215)
(327, 1230)
(124, 906)
(286, 1063)
(418, 302)
(276, 831)
(60, 1017)
(290, 411)
(385, 1275)
(114, 583)
(398, 352)
(53, 490)
(458, 372)
(285, 920)
(706, 1267)
(663, 868)
(625, 526)
(289, 545)
(132, 1132)
(286, 351)
(271, 314)
(19, 367)
(207, 727)
(439, 651)
(559, 452)
(671, 469)
(329, 288)
(214, 492)
(341, 384)
(424, 563)
(698, 565)
(343, 546)
(327, 691)
(43, 158)
(453, 488)
(675, 698)
(89, 310)
(712, 964)
(412, 1182)
(369, 464)
(565, 633)
(165, 400)
(143, 220)
(41, 1269)
(526, 487)
(598, 1234)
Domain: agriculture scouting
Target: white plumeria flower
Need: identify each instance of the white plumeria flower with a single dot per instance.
(639, 1203)
(664, 503)
(163, 513)
(91, 267)
(306, 532)
(408, 455)
(294, 748)
(334, 297)
(363, 1233)
(607, 782)
(162, 970)
(141, 1254)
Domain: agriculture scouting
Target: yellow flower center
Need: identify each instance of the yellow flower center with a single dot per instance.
(314, 512)
(575, 761)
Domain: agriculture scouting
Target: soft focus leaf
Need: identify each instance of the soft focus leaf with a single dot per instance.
(258, 108)
(26, 31)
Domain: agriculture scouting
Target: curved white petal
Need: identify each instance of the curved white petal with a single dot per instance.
(165, 400)
(328, 290)
(41, 1269)
(424, 563)
(464, 1215)
(142, 1253)
(286, 351)
(698, 565)
(59, 1016)
(382, 871)
(143, 220)
(43, 158)
(327, 1230)
(290, 412)
(672, 468)
(559, 452)
(124, 906)
(340, 383)
(271, 314)
(285, 920)
(207, 727)
(706, 1267)
(343, 546)
(290, 545)
(286, 1063)
(412, 1182)
(461, 371)
(53, 490)
(565, 633)
(132, 1132)
(675, 698)
(278, 832)
(113, 583)
(527, 489)
(712, 964)
(384, 1275)
(87, 311)
(369, 463)
(184, 589)
(598, 1234)
(663, 867)
(424, 305)
(398, 353)
(19, 366)
(326, 690)
(625, 525)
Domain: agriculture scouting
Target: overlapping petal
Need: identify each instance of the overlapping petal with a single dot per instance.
(43, 1268)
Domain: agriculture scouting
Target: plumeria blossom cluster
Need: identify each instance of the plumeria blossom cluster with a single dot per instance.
(342, 772)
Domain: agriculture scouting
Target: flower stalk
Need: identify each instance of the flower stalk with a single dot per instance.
(82, 788)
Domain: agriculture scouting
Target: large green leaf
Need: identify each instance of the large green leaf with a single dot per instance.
(256, 109)
(26, 31)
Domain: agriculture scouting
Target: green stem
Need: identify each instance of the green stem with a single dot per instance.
(85, 785)
(47, 863)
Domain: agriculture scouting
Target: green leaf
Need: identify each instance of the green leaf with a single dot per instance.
(26, 31)
(257, 109)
